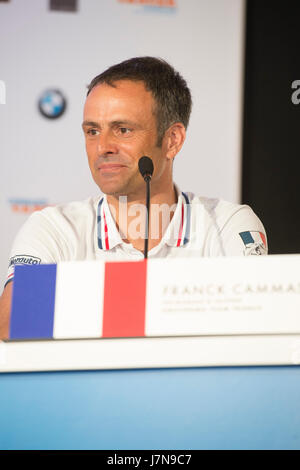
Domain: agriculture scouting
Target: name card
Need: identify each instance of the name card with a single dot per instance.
(157, 297)
(224, 296)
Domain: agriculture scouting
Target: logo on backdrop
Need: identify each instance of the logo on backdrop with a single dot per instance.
(2, 92)
(27, 206)
(151, 3)
(52, 104)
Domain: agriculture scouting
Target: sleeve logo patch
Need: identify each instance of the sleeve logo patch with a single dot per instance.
(24, 259)
(255, 243)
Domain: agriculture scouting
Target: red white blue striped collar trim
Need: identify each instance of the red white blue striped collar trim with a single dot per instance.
(177, 233)
(185, 222)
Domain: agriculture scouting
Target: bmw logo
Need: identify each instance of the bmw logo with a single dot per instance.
(52, 104)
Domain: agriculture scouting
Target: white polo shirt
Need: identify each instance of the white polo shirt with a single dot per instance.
(86, 231)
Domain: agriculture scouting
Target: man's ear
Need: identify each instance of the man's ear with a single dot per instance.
(173, 139)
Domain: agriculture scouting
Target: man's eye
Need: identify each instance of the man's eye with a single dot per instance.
(92, 132)
(124, 130)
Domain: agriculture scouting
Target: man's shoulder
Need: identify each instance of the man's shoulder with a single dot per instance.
(229, 228)
(62, 219)
(216, 207)
(221, 214)
(69, 210)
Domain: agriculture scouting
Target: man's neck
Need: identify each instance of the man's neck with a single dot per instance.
(130, 215)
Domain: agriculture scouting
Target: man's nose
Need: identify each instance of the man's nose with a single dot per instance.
(106, 143)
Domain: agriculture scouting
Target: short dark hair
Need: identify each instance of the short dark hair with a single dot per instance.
(170, 91)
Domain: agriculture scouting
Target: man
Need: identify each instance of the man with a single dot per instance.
(139, 107)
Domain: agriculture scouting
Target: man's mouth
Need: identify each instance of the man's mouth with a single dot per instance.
(109, 167)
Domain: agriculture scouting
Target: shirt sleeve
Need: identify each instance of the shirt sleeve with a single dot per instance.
(35, 243)
(241, 233)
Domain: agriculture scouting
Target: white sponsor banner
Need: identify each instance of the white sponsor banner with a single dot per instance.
(252, 295)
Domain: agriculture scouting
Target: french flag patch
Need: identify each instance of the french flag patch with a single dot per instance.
(255, 242)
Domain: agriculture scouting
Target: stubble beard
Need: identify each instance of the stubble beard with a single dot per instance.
(128, 188)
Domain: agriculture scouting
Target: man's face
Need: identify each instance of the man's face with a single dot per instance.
(120, 127)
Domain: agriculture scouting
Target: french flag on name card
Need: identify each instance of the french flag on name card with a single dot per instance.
(89, 299)
(156, 297)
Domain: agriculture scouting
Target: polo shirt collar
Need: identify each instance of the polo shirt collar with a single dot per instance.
(107, 232)
(177, 233)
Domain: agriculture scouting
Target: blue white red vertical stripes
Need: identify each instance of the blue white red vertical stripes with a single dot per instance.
(77, 299)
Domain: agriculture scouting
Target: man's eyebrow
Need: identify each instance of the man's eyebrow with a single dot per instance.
(90, 123)
(119, 122)
(125, 122)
